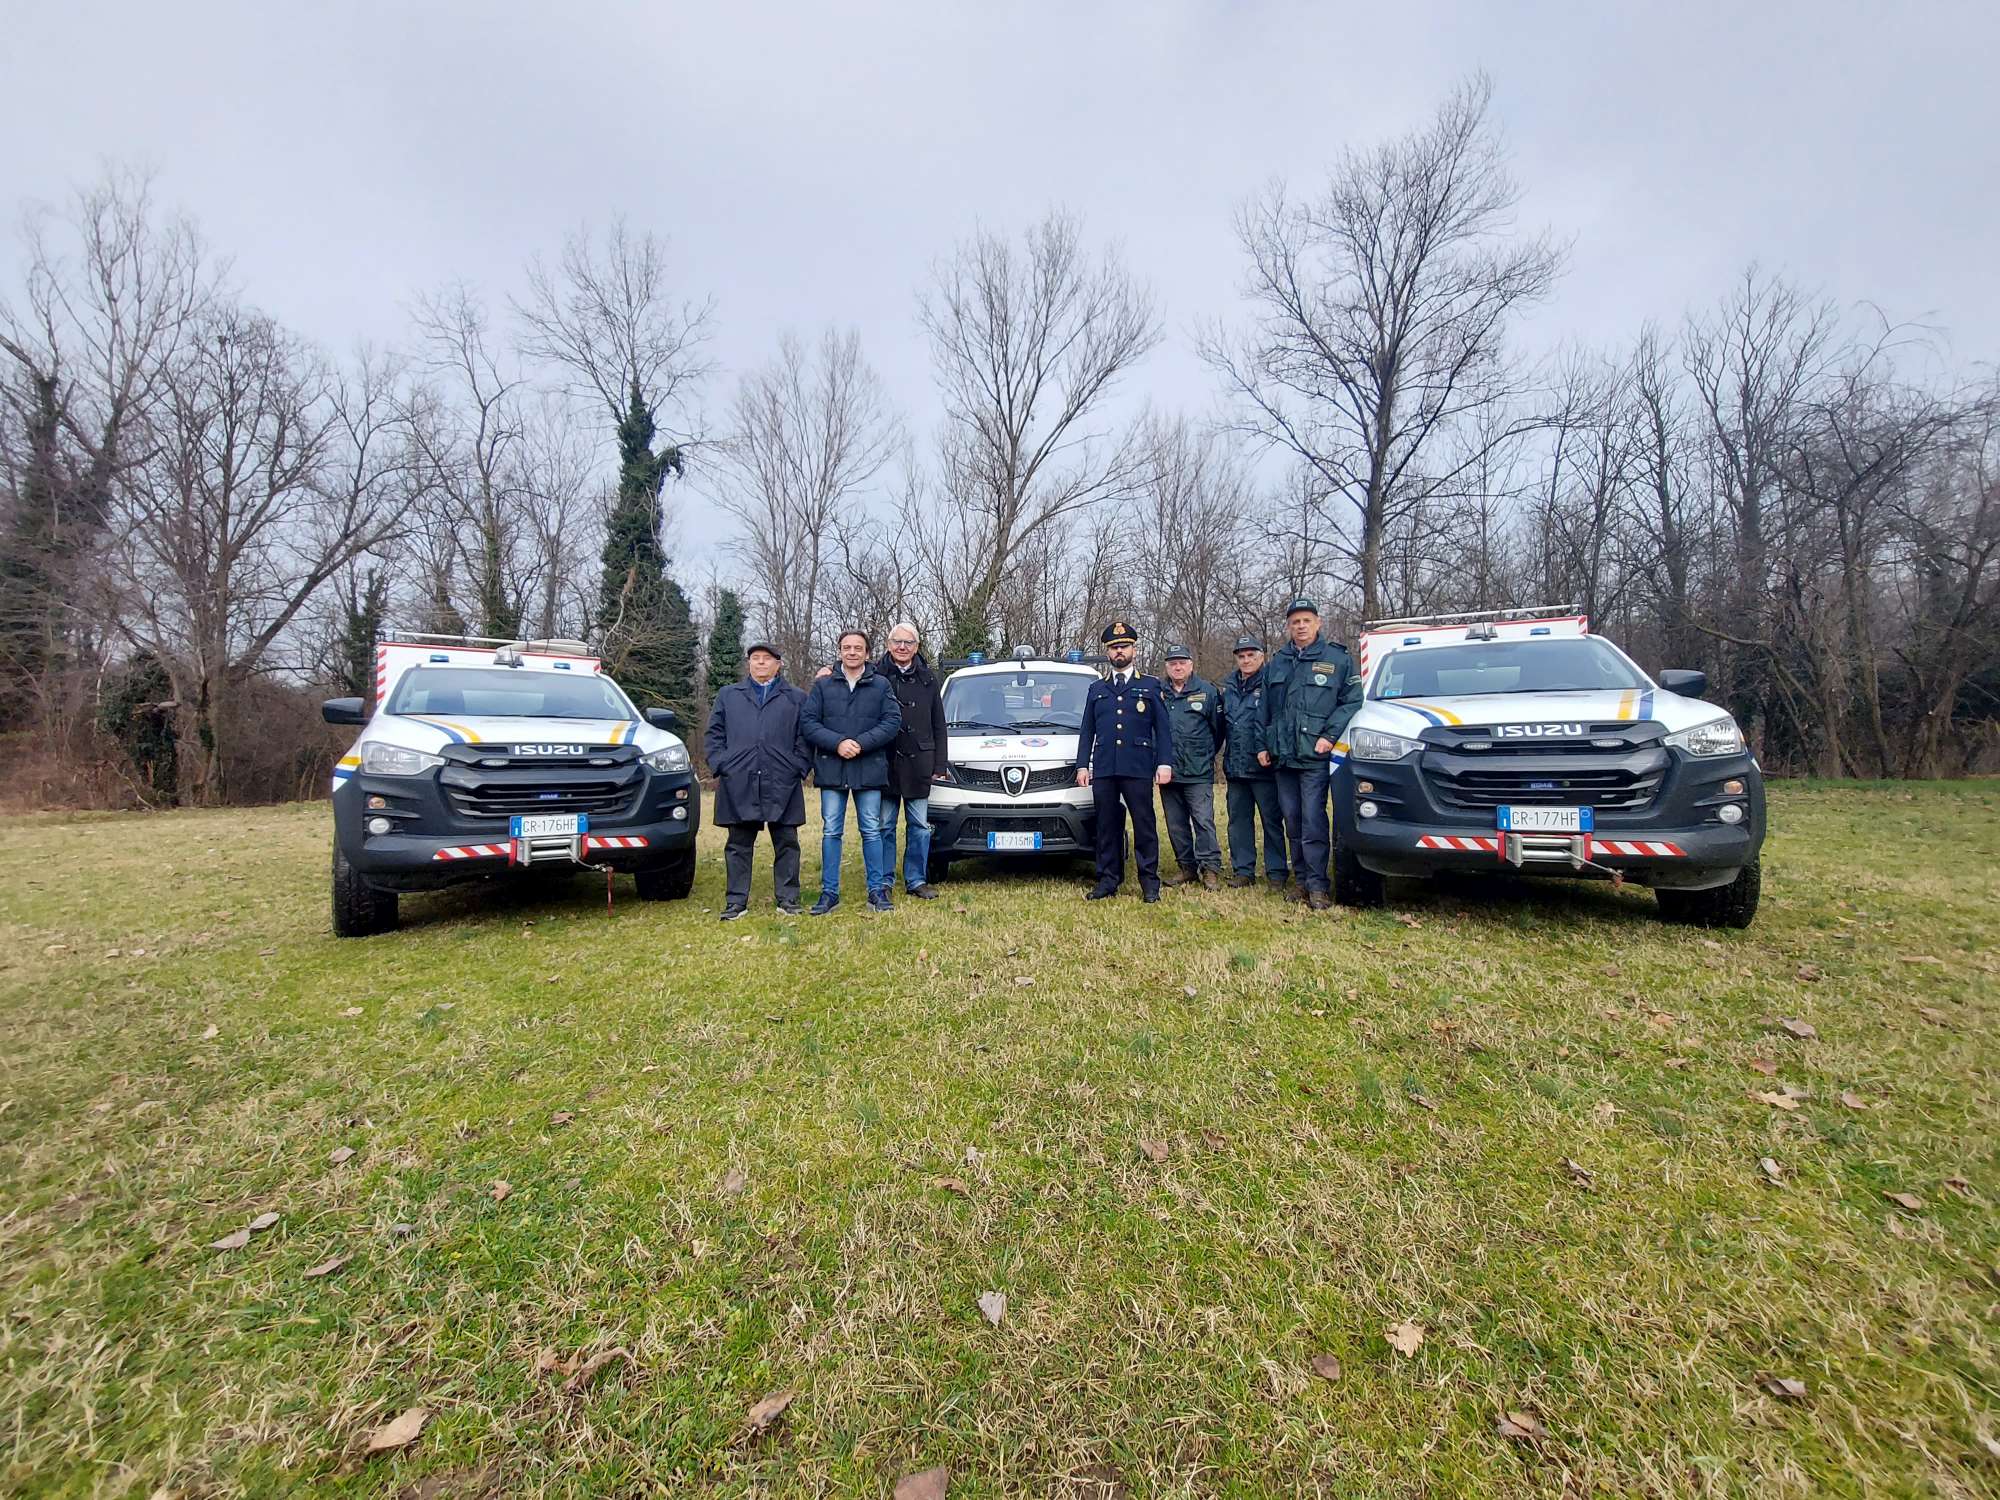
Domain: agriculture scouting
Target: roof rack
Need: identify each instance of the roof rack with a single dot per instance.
(1477, 616)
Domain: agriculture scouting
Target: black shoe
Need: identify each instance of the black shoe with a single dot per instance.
(1278, 882)
(789, 909)
(824, 905)
(1179, 877)
(879, 900)
(924, 892)
(731, 913)
(1319, 901)
(1242, 882)
(1153, 895)
(1100, 891)
(1295, 893)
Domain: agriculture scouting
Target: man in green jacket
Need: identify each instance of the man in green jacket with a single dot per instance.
(1311, 691)
(1194, 709)
(1253, 787)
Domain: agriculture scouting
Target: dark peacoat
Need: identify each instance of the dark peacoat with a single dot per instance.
(866, 713)
(921, 743)
(757, 755)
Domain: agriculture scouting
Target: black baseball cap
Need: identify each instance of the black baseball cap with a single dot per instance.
(1247, 643)
(1310, 606)
(765, 646)
(1179, 653)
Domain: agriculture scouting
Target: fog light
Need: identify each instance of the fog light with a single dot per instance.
(1729, 812)
(1368, 809)
(1732, 788)
(680, 813)
(1364, 786)
(379, 825)
(378, 804)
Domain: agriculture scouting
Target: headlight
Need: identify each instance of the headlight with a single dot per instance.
(380, 758)
(673, 758)
(1377, 744)
(1716, 737)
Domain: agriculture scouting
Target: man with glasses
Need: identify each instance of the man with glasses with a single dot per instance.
(1253, 786)
(920, 745)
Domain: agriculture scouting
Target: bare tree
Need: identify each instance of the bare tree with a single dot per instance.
(1029, 342)
(1382, 307)
(809, 433)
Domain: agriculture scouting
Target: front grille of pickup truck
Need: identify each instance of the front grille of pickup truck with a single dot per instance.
(979, 779)
(505, 799)
(1480, 790)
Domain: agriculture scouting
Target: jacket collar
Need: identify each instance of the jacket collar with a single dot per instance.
(919, 668)
(1195, 684)
(1243, 684)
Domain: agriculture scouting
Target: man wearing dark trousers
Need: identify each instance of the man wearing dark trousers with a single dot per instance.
(1253, 787)
(1194, 713)
(1124, 749)
(1311, 691)
(759, 761)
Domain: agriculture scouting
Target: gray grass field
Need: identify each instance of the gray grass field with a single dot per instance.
(1619, 1179)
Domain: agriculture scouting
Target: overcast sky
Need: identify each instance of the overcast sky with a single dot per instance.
(809, 161)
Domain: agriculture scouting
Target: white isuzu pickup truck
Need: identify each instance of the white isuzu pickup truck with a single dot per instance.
(1518, 741)
(482, 759)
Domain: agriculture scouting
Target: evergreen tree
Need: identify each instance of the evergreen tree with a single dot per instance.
(725, 643)
(649, 636)
(360, 624)
(132, 713)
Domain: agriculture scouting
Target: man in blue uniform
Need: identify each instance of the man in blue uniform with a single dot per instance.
(1124, 749)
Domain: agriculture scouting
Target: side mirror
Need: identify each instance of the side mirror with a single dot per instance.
(344, 711)
(663, 718)
(1687, 684)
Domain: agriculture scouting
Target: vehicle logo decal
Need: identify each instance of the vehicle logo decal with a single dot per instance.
(1034, 742)
(1570, 730)
(548, 749)
(1015, 777)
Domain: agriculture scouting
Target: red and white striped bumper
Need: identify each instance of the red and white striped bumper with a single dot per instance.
(506, 850)
(1487, 843)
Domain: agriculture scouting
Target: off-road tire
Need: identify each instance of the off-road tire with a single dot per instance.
(1731, 905)
(359, 910)
(668, 882)
(1354, 884)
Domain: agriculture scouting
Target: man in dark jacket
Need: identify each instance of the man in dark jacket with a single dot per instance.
(1195, 712)
(920, 745)
(758, 759)
(850, 719)
(1311, 691)
(1253, 787)
(1124, 748)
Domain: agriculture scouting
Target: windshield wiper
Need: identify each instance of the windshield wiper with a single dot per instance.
(1048, 724)
(975, 724)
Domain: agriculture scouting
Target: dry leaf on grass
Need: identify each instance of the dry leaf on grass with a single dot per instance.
(1578, 1172)
(1776, 1100)
(561, 1117)
(352, 1011)
(952, 1185)
(1803, 1031)
(993, 1307)
(1990, 1444)
(328, 1267)
(591, 1368)
(1932, 1014)
(400, 1433)
(262, 1222)
(1423, 1101)
(1811, 973)
(926, 1484)
(1606, 1112)
(1406, 1338)
(211, 1034)
(767, 1411)
(1024, 980)
(1190, 991)
(235, 1241)
(1772, 1171)
(1679, 1062)
(1909, 1201)
(1326, 1367)
(502, 1190)
(341, 1155)
(1215, 1140)
(547, 1362)
(1783, 1387)
(1958, 1187)
(1763, 1065)
(1853, 1100)
(1521, 1426)
(1153, 1150)
(1921, 958)
(734, 1181)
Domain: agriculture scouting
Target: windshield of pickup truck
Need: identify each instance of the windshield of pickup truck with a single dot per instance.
(1566, 665)
(1005, 702)
(507, 692)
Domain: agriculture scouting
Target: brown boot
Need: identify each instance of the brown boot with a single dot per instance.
(1210, 881)
(1179, 877)
(1242, 882)
(1319, 901)
(1295, 893)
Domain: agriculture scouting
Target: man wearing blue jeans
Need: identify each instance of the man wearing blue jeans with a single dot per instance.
(920, 748)
(1311, 690)
(850, 719)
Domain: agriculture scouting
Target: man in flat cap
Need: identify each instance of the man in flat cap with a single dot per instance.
(1124, 748)
(1311, 691)
(759, 760)
(1194, 713)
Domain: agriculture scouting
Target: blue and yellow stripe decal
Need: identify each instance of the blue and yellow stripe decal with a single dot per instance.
(1334, 760)
(343, 768)
(460, 735)
(1635, 703)
(1431, 712)
(622, 735)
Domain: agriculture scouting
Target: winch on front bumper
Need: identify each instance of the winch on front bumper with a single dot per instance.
(1657, 815)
